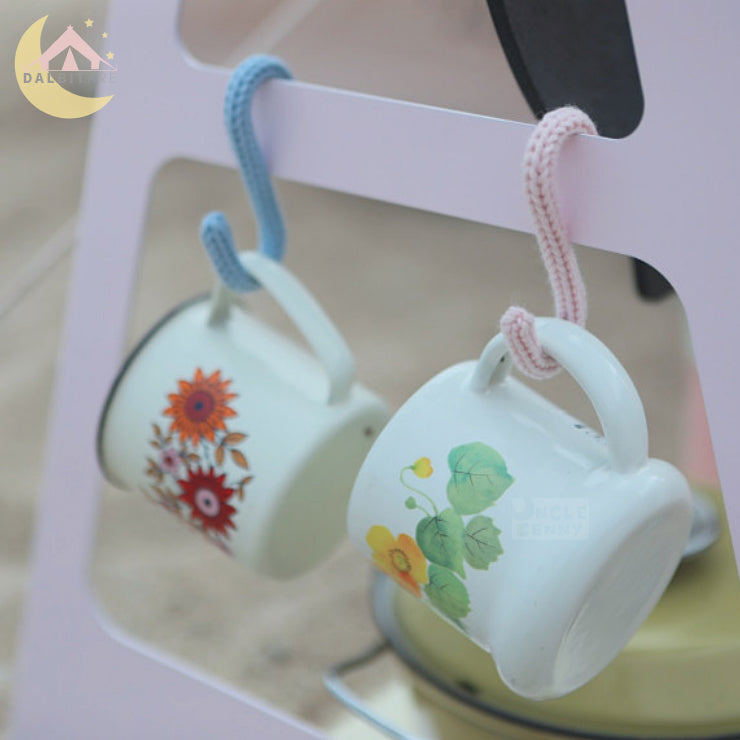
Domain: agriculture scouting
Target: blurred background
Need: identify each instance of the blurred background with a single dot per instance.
(413, 292)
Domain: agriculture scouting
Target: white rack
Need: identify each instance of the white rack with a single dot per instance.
(667, 194)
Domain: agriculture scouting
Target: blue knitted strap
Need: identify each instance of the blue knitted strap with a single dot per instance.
(215, 233)
(215, 229)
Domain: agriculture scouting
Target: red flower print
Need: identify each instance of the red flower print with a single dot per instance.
(207, 496)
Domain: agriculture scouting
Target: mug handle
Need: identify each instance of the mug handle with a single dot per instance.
(308, 316)
(599, 373)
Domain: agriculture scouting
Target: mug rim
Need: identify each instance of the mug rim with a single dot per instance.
(123, 370)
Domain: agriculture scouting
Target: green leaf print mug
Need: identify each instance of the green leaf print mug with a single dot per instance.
(543, 541)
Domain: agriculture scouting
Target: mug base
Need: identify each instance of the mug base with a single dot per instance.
(639, 570)
(617, 595)
(309, 522)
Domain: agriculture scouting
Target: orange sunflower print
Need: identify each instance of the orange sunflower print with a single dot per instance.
(201, 406)
(400, 558)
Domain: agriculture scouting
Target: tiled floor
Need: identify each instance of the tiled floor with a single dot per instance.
(413, 292)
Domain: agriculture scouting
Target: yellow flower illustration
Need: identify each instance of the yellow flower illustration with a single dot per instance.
(400, 558)
(423, 467)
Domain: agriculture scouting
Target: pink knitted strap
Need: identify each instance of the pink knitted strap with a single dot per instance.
(568, 289)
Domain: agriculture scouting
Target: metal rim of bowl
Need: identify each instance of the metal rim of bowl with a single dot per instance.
(382, 595)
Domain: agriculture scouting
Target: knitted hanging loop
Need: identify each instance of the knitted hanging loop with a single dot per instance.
(215, 230)
(569, 292)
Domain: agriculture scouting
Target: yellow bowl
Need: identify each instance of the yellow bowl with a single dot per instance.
(679, 676)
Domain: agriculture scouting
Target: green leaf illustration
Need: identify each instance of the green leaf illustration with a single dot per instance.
(481, 545)
(440, 539)
(479, 477)
(447, 593)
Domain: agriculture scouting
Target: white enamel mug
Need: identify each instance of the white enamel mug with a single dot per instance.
(241, 433)
(543, 541)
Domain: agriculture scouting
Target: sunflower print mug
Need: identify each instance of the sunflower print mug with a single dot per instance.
(240, 433)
